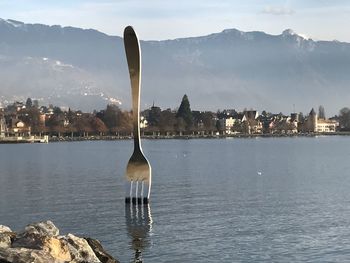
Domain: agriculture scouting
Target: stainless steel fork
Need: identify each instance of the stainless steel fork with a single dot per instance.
(138, 170)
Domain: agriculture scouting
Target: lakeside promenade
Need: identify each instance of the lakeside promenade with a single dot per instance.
(186, 137)
(26, 139)
(47, 139)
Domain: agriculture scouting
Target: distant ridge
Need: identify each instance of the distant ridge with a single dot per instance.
(84, 68)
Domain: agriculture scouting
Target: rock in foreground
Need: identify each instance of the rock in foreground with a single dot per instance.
(41, 243)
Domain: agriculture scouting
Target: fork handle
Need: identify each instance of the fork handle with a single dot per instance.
(133, 55)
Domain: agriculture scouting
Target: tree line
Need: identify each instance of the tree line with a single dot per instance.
(114, 121)
(110, 121)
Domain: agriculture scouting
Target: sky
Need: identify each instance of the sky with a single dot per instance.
(163, 19)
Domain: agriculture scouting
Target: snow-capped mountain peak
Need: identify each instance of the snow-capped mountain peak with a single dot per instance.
(11, 22)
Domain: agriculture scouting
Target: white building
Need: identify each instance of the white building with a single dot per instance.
(326, 125)
(143, 122)
(229, 122)
(3, 127)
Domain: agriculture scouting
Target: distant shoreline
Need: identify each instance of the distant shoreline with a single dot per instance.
(183, 137)
(187, 137)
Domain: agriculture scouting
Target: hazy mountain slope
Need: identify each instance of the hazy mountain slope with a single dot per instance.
(259, 70)
(231, 69)
(65, 66)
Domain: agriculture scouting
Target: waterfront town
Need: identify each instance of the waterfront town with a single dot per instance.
(31, 122)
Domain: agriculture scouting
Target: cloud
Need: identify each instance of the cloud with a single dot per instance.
(278, 10)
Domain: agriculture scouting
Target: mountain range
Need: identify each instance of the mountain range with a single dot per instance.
(86, 69)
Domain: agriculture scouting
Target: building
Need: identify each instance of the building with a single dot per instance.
(251, 114)
(326, 126)
(229, 118)
(315, 124)
(3, 127)
(254, 125)
(18, 128)
(143, 122)
(310, 124)
(238, 122)
(229, 122)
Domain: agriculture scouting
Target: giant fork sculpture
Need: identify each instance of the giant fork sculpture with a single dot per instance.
(138, 170)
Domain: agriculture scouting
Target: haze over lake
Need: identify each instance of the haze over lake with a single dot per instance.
(213, 200)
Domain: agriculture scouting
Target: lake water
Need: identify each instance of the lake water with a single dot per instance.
(214, 200)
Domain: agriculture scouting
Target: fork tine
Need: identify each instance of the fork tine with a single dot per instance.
(128, 191)
(146, 191)
(137, 192)
(141, 195)
(134, 193)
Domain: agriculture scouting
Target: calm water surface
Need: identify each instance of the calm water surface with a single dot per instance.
(220, 200)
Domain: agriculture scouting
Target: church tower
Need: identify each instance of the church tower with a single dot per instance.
(312, 121)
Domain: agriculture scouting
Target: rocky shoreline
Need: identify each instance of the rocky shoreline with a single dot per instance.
(42, 243)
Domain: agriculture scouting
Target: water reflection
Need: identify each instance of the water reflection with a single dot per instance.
(139, 224)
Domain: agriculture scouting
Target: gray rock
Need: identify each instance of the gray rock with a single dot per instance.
(99, 251)
(42, 228)
(53, 246)
(35, 235)
(80, 250)
(25, 255)
(32, 241)
(40, 243)
(4, 229)
(5, 241)
(6, 236)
